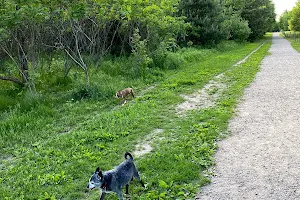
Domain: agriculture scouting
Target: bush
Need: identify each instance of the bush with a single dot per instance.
(6, 102)
(87, 92)
(236, 28)
(174, 61)
(61, 81)
(160, 54)
(140, 54)
(29, 101)
(193, 54)
(92, 92)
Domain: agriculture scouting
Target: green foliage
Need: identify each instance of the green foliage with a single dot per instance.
(294, 15)
(236, 27)
(276, 27)
(260, 15)
(159, 55)
(284, 21)
(213, 21)
(205, 17)
(87, 30)
(294, 38)
(87, 92)
(139, 51)
(174, 61)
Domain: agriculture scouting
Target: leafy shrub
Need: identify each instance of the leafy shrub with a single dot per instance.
(174, 61)
(6, 102)
(193, 54)
(140, 55)
(236, 28)
(160, 54)
(61, 81)
(87, 92)
(29, 101)
(92, 92)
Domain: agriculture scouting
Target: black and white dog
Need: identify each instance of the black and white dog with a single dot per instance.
(113, 180)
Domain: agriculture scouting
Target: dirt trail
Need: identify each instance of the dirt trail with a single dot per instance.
(261, 159)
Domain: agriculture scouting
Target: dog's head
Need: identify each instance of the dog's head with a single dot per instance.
(118, 94)
(96, 180)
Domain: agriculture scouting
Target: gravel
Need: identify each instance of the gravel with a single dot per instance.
(261, 158)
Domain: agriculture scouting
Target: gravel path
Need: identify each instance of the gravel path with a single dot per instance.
(261, 159)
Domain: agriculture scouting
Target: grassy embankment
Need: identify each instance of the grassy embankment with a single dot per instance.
(294, 38)
(49, 149)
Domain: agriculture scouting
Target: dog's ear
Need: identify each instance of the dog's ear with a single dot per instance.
(100, 174)
(97, 170)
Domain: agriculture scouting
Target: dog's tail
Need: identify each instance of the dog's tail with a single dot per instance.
(128, 154)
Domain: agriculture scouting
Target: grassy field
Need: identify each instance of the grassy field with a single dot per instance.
(51, 145)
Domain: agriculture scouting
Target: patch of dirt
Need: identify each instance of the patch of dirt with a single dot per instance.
(4, 160)
(208, 95)
(204, 98)
(143, 92)
(145, 146)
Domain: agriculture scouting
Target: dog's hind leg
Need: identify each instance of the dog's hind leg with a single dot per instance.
(142, 183)
(102, 196)
(137, 176)
(127, 189)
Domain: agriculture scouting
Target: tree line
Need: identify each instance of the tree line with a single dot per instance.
(290, 20)
(85, 31)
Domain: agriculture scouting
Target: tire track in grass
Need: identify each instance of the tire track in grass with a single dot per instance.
(208, 95)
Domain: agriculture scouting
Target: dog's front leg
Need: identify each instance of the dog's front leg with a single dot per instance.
(142, 183)
(120, 194)
(102, 196)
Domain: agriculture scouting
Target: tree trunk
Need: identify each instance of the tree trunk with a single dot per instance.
(23, 61)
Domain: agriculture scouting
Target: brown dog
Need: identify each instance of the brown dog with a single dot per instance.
(124, 93)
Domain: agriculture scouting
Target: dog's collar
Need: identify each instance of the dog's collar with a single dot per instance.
(103, 186)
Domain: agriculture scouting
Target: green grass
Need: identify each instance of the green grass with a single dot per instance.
(294, 38)
(50, 150)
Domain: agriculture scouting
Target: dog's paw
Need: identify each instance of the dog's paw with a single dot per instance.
(145, 185)
(127, 196)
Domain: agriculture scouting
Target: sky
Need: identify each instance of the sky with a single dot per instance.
(282, 5)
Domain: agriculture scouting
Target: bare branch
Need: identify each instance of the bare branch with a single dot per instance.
(12, 79)
(78, 63)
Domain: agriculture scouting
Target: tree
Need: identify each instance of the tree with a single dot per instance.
(19, 36)
(294, 22)
(82, 30)
(260, 15)
(236, 27)
(284, 21)
(205, 17)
